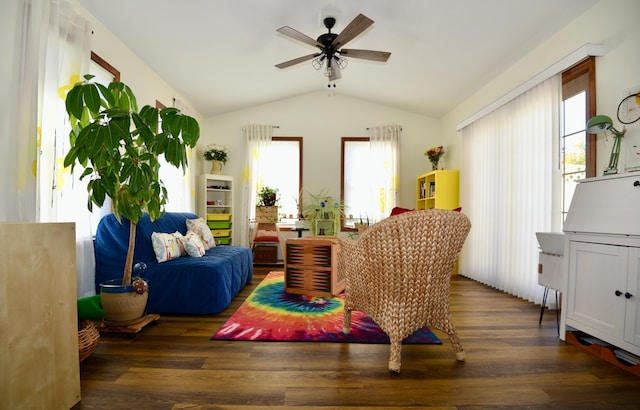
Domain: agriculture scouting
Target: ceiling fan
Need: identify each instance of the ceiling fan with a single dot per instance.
(332, 55)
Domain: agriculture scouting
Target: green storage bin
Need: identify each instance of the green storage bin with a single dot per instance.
(219, 225)
(223, 240)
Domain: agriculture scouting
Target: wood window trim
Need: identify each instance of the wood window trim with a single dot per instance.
(104, 64)
(588, 67)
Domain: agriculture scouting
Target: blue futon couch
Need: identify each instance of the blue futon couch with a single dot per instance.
(185, 285)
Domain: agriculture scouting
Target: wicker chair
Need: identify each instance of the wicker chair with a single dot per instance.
(398, 272)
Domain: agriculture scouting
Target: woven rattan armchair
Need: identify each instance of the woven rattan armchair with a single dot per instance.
(398, 272)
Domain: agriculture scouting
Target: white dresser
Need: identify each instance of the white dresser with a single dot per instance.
(602, 260)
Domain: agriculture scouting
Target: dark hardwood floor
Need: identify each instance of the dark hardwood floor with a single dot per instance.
(511, 362)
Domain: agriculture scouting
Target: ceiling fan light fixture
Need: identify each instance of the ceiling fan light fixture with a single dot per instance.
(342, 62)
(318, 62)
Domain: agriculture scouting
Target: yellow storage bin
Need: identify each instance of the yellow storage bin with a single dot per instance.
(218, 217)
(220, 232)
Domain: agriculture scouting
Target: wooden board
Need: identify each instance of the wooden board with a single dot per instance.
(38, 316)
(131, 329)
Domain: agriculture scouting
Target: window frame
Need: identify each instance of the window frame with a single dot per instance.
(106, 66)
(586, 67)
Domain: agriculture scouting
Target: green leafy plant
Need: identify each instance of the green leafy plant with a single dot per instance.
(268, 196)
(118, 147)
(319, 206)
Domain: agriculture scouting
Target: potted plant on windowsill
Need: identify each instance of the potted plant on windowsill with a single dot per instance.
(322, 214)
(267, 206)
(118, 147)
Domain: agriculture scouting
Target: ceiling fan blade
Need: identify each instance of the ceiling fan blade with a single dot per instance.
(353, 29)
(297, 60)
(296, 35)
(366, 54)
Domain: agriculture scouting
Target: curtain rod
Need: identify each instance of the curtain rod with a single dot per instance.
(275, 126)
(370, 128)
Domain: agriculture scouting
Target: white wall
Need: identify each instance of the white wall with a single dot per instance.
(147, 85)
(612, 23)
(322, 119)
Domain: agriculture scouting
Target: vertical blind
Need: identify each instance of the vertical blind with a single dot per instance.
(506, 189)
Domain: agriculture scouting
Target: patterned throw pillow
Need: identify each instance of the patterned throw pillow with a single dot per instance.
(200, 227)
(165, 246)
(180, 238)
(193, 245)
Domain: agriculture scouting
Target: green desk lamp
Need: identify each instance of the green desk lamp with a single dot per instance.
(600, 124)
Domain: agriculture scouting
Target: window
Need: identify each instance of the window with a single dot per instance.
(577, 148)
(283, 171)
(355, 189)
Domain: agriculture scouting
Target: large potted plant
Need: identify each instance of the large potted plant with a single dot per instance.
(118, 147)
(267, 206)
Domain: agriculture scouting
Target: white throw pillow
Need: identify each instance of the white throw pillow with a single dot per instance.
(180, 239)
(193, 245)
(165, 246)
(200, 227)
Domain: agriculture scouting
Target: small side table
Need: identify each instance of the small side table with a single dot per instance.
(311, 267)
(300, 230)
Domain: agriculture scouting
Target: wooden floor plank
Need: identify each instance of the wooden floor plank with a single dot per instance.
(512, 362)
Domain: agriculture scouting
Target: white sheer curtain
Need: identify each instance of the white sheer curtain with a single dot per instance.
(62, 197)
(509, 161)
(385, 149)
(25, 27)
(258, 141)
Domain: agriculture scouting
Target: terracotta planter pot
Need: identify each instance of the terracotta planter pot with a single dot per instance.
(121, 303)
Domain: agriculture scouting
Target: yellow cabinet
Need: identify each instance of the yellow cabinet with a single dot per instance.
(438, 189)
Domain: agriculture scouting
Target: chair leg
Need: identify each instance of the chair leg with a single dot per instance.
(346, 323)
(545, 294)
(395, 354)
(455, 344)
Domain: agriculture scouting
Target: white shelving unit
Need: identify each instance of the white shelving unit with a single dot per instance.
(215, 205)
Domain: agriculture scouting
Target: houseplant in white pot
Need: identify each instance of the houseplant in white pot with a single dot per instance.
(118, 147)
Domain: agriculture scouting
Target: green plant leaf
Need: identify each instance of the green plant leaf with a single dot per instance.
(108, 96)
(73, 101)
(91, 97)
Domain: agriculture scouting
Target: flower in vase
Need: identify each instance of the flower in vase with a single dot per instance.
(434, 154)
(215, 152)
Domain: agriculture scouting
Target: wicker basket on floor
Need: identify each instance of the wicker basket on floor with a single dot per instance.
(88, 337)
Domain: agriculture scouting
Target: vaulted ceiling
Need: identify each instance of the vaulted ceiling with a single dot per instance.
(221, 53)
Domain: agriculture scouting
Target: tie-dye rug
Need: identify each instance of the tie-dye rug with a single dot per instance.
(270, 314)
